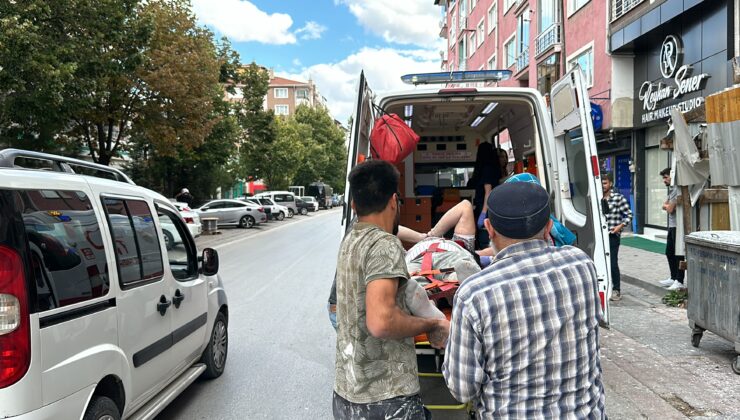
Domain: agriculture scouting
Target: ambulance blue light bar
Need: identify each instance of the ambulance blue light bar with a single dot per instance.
(456, 77)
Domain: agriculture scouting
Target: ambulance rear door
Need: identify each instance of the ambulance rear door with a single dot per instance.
(359, 142)
(578, 189)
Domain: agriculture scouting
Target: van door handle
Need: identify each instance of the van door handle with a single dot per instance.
(163, 304)
(178, 298)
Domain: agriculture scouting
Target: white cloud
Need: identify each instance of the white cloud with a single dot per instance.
(408, 22)
(241, 21)
(383, 69)
(312, 30)
(297, 62)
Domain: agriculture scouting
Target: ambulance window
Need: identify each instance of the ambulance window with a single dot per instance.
(577, 174)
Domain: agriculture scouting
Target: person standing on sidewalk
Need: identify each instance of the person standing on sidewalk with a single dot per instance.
(616, 208)
(376, 373)
(675, 282)
(524, 336)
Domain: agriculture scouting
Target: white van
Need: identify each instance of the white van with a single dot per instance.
(283, 198)
(557, 144)
(101, 315)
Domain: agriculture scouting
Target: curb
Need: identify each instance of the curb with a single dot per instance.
(645, 285)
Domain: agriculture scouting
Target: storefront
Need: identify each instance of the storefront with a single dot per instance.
(676, 65)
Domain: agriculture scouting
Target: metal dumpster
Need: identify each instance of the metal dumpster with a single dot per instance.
(713, 276)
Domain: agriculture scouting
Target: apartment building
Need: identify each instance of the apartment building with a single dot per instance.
(284, 95)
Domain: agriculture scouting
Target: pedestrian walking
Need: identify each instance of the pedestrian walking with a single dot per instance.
(524, 337)
(669, 205)
(376, 369)
(618, 214)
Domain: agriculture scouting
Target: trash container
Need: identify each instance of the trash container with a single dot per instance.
(713, 260)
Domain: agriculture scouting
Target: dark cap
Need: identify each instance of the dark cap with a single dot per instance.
(518, 210)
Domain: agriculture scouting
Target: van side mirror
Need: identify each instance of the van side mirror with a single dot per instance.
(210, 262)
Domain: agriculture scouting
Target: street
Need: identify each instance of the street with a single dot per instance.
(280, 364)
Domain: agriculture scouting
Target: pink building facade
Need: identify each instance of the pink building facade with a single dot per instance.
(538, 40)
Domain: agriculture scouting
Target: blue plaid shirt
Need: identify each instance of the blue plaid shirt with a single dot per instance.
(524, 339)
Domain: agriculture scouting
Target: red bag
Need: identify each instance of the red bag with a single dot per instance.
(391, 139)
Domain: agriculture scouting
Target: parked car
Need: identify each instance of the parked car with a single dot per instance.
(233, 213)
(312, 202)
(336, 200)
(96, 311)
(284, 198)
(274, 211)
(303, 206)
(190, 217)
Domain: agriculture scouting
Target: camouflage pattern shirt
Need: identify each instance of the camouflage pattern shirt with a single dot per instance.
(369, 369)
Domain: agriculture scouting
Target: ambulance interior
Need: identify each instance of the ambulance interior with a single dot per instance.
(437, 175)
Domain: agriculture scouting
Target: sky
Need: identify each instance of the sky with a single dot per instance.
(331, 41)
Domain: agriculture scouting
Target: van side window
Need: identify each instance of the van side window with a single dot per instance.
(180, 250)
(136, 239)
(66, 248)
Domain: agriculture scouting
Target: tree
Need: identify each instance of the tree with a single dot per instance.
(99, 71)
(326, 156)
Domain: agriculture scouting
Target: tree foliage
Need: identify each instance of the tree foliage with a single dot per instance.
(326, 157)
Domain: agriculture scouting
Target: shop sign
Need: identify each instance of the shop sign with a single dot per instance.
(684, 82)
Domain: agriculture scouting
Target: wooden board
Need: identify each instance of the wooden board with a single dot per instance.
(723, 106)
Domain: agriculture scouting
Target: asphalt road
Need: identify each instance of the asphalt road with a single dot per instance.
(281, 345)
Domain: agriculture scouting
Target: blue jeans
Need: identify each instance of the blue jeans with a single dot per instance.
(332, 314)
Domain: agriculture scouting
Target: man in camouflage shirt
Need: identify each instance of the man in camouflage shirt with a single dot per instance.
(376, 371)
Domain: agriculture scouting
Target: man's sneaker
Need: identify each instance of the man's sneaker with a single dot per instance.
(616, 296)
(676, 285)
(666, 282)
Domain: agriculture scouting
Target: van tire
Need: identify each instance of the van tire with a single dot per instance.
(214, 356)
(290, 213)
(102, 408)
(304, 211)
(280, 216)
(246, 222)
(169, 239)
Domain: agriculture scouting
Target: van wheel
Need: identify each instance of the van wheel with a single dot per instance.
(246, 222)
(290, 213)
(304, 211)
(280, 216)
(214, 356)
(102, 408)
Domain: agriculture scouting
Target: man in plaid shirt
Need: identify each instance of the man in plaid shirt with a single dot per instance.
(524, 339)
(616, 208)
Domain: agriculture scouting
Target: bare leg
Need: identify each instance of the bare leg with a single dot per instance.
(409, 235)
(460, 217)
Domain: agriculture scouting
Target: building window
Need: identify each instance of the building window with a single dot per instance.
(547, 14)
(461, 58)
(473, 42)
(473, 3)
(281, 93)
(481, 32)
(547, 73)
(620, 7)
(453, 25)
(522, 33)
(282, 110)
(585, 59)
(508, 4)
(510, 49)
(492, 17)
(492, 62)
(301, 94)
(575, 5)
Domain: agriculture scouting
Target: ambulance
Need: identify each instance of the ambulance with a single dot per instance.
(453, 112)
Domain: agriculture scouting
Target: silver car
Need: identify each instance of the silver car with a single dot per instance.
(233, 213)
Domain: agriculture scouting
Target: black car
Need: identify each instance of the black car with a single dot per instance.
(303, 206)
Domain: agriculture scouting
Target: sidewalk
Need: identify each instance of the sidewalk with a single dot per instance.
(650, 368)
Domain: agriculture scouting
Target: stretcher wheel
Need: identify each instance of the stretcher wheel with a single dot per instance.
(696, 334)
(736, 365)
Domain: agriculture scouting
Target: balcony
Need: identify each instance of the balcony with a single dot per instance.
(621, 7)
(549, 38)
(522, 61)
(443, 28)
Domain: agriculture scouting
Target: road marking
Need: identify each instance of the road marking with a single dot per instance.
(237, 240)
